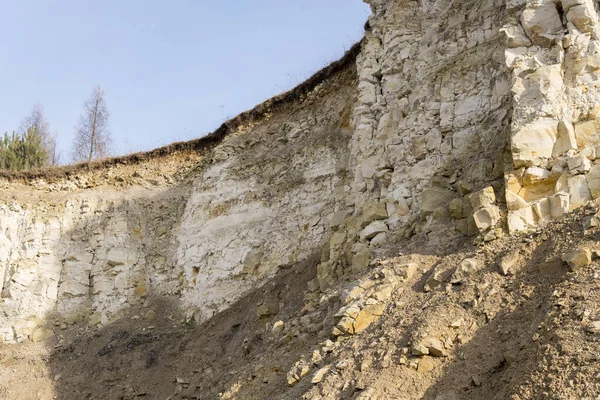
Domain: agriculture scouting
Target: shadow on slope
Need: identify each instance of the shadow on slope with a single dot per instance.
(165, 357)
(532, 344)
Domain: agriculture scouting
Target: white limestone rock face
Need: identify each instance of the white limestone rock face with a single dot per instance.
(264, 201)
(452, 105)
(218, 250)
(435, 127)
(555, 115)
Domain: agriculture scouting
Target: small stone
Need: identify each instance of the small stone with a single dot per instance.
(292, 378)
(342, 365)
(406, 271)
(425, 365)
(316, 357)
(464, 270)
(508, 262)
(319, 375)
(456, 324)
(434, 280)
(593, 327)
(434, 346)
(383, 293)
(277, 329)
(420, 350)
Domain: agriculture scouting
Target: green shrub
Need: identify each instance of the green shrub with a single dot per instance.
(22, 151)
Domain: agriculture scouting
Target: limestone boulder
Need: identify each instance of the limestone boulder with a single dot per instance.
(579, 190)
(515, 36)
(373, 229)
(565, 140)
(579, 164)
(584, 17)
(515, 202)
(559, 204)
(372, 211)
(567, 4)
(534, 142)
(487, 217)
(543, 211)
(544, 83)
(593, 181)
(542, 24)
(456, 208)
(361, 260)
(482, 198)
(586, 134)
(534, 175)
(521, 220)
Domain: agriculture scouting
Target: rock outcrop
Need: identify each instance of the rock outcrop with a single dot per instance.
(452, 120)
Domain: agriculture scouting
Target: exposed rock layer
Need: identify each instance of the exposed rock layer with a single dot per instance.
(459, 119)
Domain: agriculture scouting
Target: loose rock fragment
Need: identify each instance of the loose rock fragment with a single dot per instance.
(434, 346)
(425, 365)
(406, 271)
(434, 280)
(319, 375)
(578, 259)
(464, 270)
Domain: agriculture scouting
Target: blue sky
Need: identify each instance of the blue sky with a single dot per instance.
(171, 70)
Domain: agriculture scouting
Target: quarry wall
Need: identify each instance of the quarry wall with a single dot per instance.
(90, 246)
(457, 119)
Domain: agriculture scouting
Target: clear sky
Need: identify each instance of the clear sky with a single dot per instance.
(171, 70)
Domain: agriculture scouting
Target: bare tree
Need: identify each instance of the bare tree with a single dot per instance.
(92, 137)
(37, 120)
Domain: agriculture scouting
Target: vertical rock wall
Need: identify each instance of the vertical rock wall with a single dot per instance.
(431, 126)
(553, 54)
(84, 256)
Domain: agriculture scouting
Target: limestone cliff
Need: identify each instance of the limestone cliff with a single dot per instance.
(451, 120)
